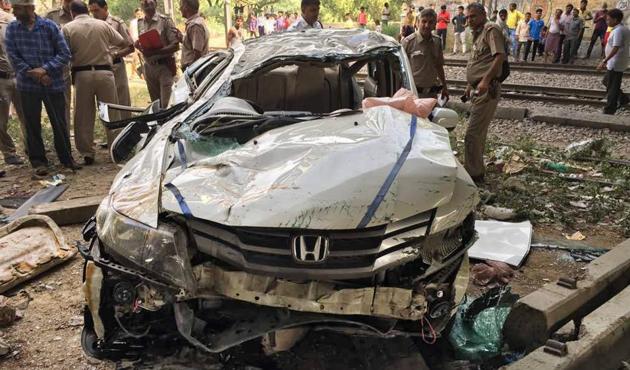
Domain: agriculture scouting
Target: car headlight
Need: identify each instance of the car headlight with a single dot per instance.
(162, 251)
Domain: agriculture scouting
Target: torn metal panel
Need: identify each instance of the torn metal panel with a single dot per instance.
(322, 45)
(313, 296)
(92, 292)
(321, 174)
(28, 247)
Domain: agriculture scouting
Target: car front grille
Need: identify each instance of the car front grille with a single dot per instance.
(350, 253)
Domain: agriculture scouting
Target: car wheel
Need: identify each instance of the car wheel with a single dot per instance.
(89, 342)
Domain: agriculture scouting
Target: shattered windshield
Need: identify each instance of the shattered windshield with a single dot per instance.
(284, 91)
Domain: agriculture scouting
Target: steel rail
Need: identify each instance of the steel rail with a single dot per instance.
(544, 90)
(534, 67)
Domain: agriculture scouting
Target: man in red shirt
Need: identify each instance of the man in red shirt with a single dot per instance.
(443, 19)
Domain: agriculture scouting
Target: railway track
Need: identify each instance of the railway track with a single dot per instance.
(536, 67)
(560, 95)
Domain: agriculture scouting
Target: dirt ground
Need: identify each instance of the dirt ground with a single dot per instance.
(48, 336)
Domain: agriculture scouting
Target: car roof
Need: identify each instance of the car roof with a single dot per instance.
(325, 45)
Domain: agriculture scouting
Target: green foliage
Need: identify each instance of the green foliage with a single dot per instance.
(392, 29)
(123, 8)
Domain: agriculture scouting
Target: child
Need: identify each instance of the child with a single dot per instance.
(522, 32)
(543, 38)
(362, 18)
(377, 26)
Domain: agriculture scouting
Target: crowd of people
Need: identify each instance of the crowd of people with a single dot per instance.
(556, 37)
(47, 60)
(506, 32)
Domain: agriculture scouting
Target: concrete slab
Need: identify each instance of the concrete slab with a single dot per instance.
(580, 119)
(605, 344)
(512, 113)
(69, 212)
(537, 315)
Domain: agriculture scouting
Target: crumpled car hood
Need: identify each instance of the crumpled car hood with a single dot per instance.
(321, 174)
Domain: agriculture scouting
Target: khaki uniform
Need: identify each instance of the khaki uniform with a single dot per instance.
(120, 70)
(61, 17)
(159, 69)
(196, 39)
(90, 41)
(486, 44)
(8, 94)
(425, 57)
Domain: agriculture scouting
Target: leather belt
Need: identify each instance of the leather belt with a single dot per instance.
(161, 61)
(102, 67)
(118, 60)
(6, 75)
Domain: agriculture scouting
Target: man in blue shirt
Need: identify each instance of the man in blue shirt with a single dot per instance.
(535, 28)
(39, 53)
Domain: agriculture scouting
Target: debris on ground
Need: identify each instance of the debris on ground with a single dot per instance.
(502, 241)
(581, 254)
(587, 148)
(576, 236)
(491, 273)
(477, 329)
(514, 166)
(499, 213)
(56, 180)
(28, 247)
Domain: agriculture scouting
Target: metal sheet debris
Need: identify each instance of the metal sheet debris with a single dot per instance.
(502, 241)
(45, 195)
(28, 247)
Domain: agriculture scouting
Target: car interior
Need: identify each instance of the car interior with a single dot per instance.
(319, 87)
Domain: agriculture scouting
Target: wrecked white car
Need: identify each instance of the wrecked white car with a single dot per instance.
(268, 199)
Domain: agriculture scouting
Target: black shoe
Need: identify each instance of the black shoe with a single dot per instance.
(14, 160)
(73, 166)
(88, 161)
(41, 171)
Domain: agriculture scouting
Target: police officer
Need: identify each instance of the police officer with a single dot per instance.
(8, 95)
(195, 41)
(61, 16)
(159, 66)
(90, 41)
(484, 89)
(99, 10)
(426, 56)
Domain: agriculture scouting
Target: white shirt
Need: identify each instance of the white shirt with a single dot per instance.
(385, 14)
(300, 24)
(619, 36)
(554, 25)
(133, 29)
(563, 20)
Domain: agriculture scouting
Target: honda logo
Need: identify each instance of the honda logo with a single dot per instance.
(310, 248)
